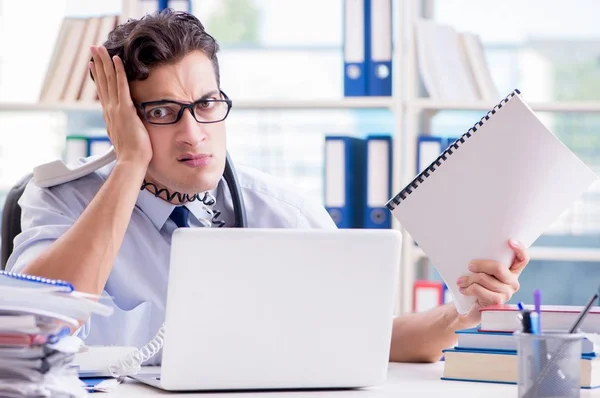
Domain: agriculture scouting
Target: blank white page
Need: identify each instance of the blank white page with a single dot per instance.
(510, 179)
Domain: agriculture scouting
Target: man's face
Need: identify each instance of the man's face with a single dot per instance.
(188, 156)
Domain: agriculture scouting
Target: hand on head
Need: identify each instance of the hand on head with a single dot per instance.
(125, 129)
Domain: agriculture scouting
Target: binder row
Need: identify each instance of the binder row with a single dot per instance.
(358, 175)
(357, 180)
(443, 51)
(367, 48)
(414, 184)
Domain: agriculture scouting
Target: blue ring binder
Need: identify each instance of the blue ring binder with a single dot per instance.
(378, 216)
(335, 215)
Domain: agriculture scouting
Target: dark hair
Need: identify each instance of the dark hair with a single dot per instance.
(160, 38)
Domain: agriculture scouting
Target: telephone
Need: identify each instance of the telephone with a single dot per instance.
(57, 172)
(131, 363)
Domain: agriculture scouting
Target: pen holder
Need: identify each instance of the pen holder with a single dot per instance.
(549, 364)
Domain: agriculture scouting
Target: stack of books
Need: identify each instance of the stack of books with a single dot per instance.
(37, 346)
(489, 353)
(67, 77)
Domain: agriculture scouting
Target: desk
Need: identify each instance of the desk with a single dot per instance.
(404, 380)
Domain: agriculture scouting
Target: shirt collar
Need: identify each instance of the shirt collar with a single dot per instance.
(159, 210)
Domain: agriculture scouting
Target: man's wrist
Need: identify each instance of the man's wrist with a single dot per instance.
(457, 321)
(129, 175)
(133, 169)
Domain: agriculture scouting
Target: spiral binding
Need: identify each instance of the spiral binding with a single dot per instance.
(131, 364)
(38, 279)
(414, 184)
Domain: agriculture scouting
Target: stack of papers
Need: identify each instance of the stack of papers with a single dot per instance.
(37, 320)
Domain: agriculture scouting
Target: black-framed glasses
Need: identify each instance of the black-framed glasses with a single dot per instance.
(205, 110)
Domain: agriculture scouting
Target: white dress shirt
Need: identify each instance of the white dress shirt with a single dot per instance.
(136, 287)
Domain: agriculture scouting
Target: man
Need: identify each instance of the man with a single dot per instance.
(107, 236)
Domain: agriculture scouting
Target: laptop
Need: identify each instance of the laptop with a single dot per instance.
(263, 309)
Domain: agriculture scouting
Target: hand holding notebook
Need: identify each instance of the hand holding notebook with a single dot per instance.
(508, 177)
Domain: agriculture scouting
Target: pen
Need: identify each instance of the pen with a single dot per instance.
(521, 308)
(525, 317)
(535, 322)
(536, 344)
(583, 314)
(537, 302)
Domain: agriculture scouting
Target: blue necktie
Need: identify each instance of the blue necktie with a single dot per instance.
(180, 216)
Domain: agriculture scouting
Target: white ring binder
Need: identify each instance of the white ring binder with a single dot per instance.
(414, 184)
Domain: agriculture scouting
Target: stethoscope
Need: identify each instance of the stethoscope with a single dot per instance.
(239, 209)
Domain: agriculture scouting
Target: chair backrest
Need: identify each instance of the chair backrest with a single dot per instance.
(11, 218)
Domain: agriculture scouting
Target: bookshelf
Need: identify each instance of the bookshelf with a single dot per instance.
(343, 103)
(414, 111)
(410, 111)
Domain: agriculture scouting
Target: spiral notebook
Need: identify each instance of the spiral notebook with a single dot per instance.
(506, 177)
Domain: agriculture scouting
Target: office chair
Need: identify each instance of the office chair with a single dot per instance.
(11, 219)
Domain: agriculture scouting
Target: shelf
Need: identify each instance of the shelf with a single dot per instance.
(547, 253)
(344, 103)
(581, 106)
(49, 107)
